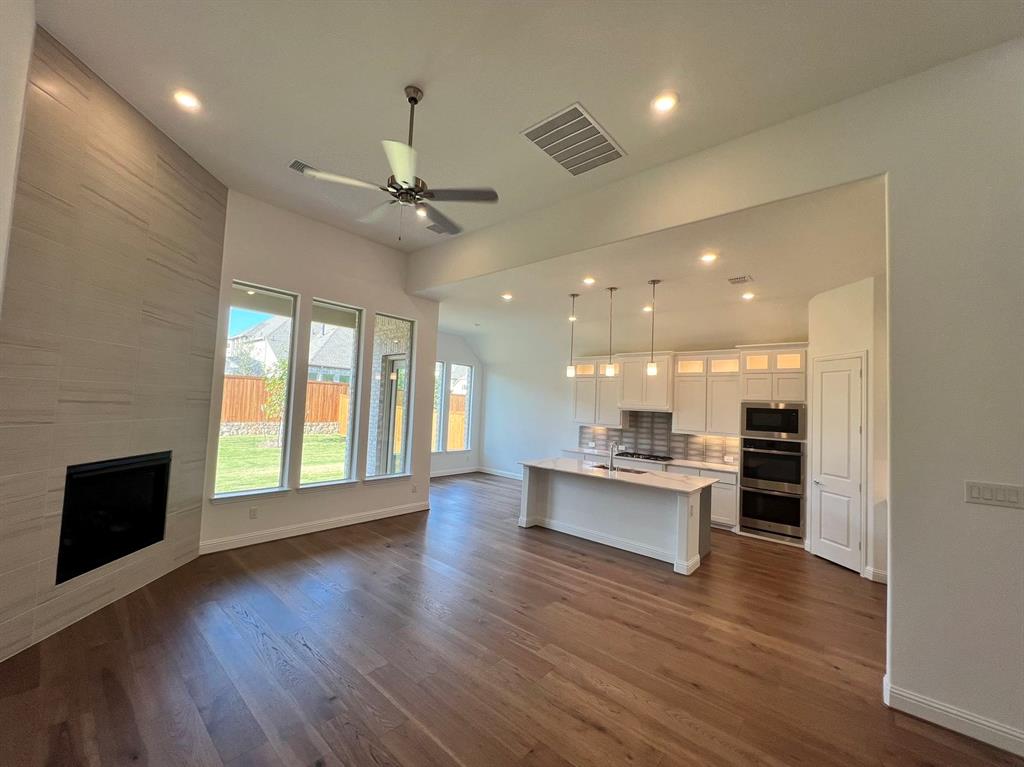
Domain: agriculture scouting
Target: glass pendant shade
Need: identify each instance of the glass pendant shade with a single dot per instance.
(570, 371)
(609, 371)
(652, 368)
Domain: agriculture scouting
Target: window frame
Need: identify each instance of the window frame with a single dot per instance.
(287, 453)
(409, 413)
(355, 398)
(442, 411)
(443, 419)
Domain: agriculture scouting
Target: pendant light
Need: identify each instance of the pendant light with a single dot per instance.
(609, 369)
(570, 369)
(652, 366)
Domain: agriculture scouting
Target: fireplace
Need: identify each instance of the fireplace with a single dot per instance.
(111, 508)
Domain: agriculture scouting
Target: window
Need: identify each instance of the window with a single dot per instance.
(329, 425)
(257, 377)
(388, 439)
(436, 429)
(460, 381)
(453, 395)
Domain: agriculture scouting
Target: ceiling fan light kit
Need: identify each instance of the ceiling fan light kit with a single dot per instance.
(404, 186)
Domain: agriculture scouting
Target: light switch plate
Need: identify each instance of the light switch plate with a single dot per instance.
(992, 494)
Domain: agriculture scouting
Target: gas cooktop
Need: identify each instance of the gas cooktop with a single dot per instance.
(644, 456)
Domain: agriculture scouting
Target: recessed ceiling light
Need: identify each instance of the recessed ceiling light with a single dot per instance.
(589, 280)
(708, 257)
(665, 102)
(421, 212)
(648, 308)
(572, 318)
(506, 296)
(747, 296)
(251, 292)
(187, 100)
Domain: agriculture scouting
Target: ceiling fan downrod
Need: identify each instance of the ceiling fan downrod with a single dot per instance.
(415, 96)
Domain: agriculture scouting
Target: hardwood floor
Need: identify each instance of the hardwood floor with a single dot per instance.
(457, 638)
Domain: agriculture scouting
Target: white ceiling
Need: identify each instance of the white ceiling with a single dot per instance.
(322, 81)
(794, 249)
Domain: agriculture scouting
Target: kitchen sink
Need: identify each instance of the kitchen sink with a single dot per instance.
(628, 471)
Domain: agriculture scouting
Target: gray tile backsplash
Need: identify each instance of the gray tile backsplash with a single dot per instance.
(652, 433)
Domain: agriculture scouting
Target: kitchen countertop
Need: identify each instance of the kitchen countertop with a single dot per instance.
(732, 468)
(678, 483)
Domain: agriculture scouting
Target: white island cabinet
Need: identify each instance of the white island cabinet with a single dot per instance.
(656, 514)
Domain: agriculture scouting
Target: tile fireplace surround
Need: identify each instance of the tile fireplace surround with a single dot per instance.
(107, 331)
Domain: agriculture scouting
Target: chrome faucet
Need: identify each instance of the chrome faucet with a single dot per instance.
(612, 447)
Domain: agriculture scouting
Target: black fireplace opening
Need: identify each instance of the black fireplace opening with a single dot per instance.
(111, 508)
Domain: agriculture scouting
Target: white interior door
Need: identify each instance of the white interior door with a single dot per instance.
(837, 434)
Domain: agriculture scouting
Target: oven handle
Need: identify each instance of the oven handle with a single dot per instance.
(772, 452)
(770, 492)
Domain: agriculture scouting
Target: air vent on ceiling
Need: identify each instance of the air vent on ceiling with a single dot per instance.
(740, 280)
(574, 140)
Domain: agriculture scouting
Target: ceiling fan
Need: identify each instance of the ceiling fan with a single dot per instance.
(405, 188)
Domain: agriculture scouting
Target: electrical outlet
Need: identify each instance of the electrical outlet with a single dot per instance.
(254, 512)
(591, 444)
(992, 494)
(414, 488)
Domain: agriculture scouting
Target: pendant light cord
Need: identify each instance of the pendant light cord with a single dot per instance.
(654, 284)
(611, 297)
(572, 324)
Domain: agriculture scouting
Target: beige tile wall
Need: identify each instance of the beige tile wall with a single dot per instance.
(107, 331)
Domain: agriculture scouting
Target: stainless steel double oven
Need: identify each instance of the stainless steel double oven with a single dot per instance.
(773, 469)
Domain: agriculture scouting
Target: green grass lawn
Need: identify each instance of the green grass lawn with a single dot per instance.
(253, 462)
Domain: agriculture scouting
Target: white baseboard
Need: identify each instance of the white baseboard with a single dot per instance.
(878, 576)
(501, 473)
(885, 689)
(986, 730)
(289, 531)
(452, 472)
(687, 567)
(610, 540)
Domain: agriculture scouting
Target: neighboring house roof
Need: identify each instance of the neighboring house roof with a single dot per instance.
(329, 346)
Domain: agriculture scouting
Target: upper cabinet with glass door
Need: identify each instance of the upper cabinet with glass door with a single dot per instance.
(774, 374)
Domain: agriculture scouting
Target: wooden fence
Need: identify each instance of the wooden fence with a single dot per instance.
(326, 402)
(245, 398)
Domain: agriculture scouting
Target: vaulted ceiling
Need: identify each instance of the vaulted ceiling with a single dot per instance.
(322, 81)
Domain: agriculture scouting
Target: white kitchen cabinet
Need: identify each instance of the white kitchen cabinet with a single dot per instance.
(723, 405)
(596, 402)
(690, 405)
(757, 387)
(607, 409)
(756, 362)
(723, 364)
(789, 361)
(690, 471)
(639, 391)
(789, 387)
(584, 400)
(691, 366)
(724, 507)
(629, 463)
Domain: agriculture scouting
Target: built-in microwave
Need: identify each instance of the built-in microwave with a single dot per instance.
(774, 420)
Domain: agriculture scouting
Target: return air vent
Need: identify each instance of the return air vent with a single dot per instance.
(741, 279)
(574, 140)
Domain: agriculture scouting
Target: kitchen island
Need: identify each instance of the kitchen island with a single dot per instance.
(663, 516)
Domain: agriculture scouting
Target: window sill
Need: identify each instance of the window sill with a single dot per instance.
(311, 488)
(243, 494)
(404, 475)
(455, 452)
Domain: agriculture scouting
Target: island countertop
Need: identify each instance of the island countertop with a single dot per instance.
(677, 483)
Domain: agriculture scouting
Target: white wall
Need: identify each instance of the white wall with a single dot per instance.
(272, 247)
(949, 140)
(17, 30)
(847, 320)
(453, 348)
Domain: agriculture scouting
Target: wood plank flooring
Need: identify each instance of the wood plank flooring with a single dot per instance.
(456, 638)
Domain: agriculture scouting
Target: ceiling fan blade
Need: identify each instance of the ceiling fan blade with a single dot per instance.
(462, 195)
(377, 213)
(309, 170)
(439, 222)
(402, 159)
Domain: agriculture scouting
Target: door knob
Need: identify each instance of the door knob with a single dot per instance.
(819, 483)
